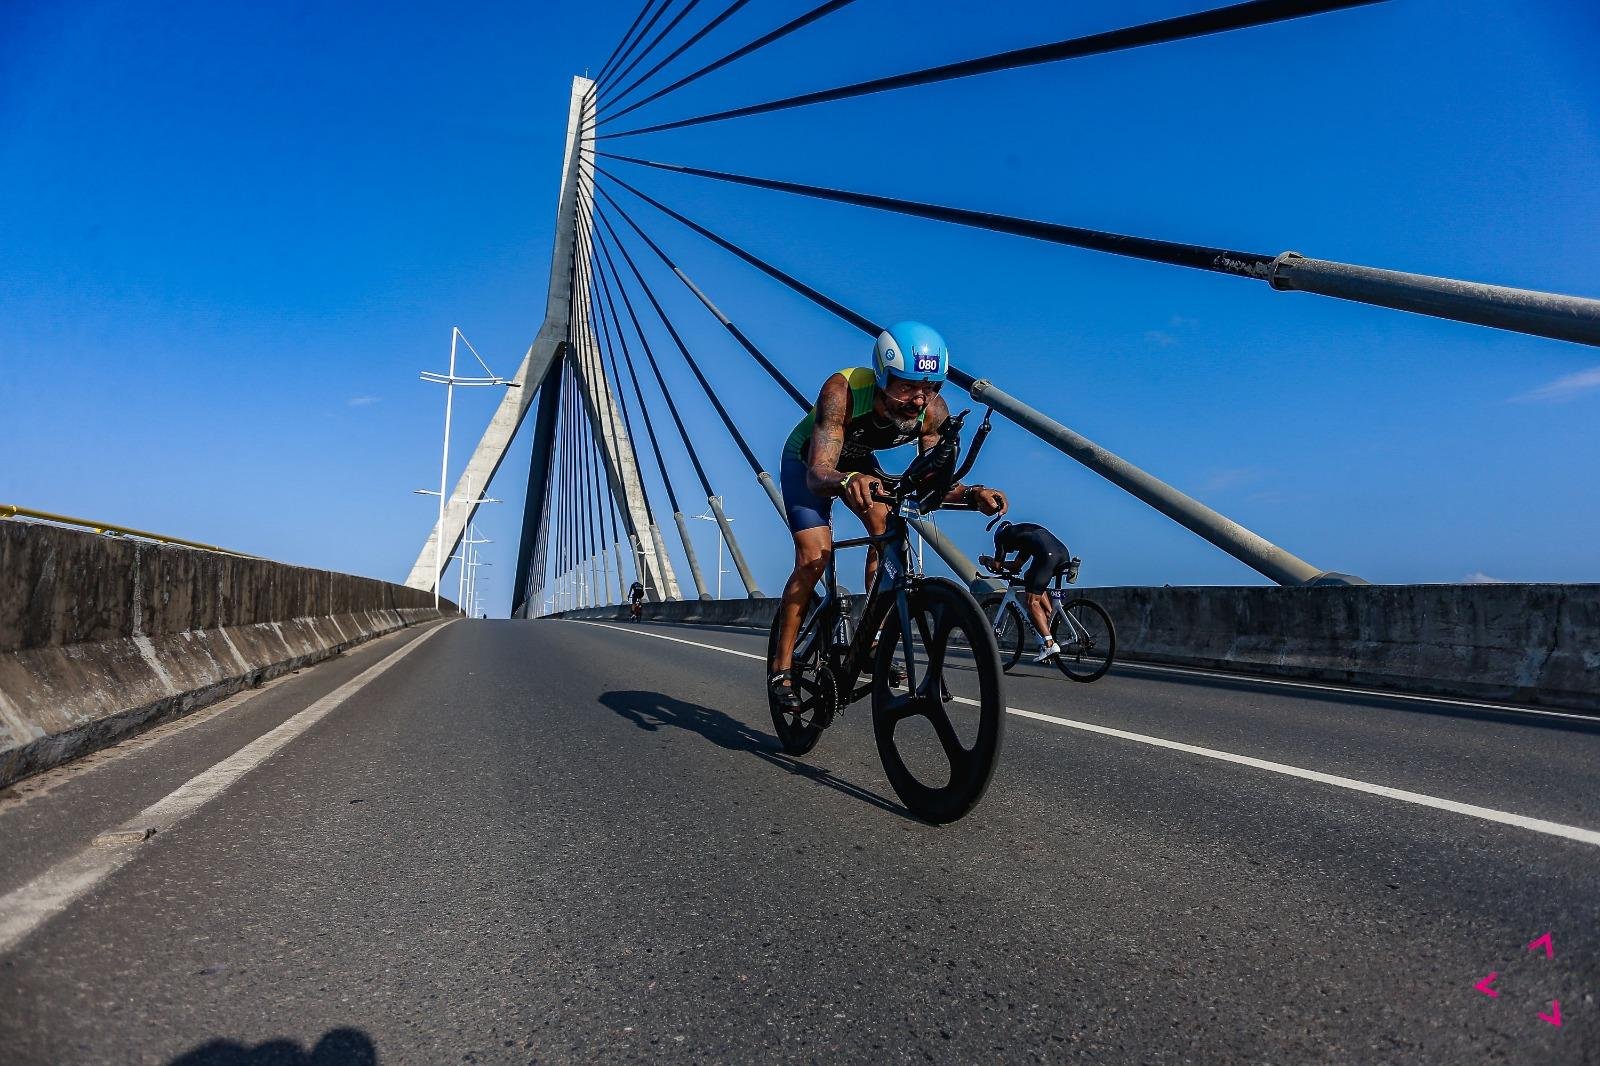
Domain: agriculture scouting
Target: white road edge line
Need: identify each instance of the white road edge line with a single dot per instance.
(26, 908)
(1488, 814)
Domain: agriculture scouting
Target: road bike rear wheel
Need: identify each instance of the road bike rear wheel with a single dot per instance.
(799, 729)
(944, 617)
(1087, 638)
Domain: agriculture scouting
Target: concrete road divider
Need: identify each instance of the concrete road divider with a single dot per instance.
(102, 637)
(1513, 643)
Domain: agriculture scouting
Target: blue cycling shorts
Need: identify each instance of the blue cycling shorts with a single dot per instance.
(804, 508)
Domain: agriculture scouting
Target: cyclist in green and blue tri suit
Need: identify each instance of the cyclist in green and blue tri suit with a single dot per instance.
(831, 455)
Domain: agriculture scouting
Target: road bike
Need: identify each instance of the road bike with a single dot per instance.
(935, 629)
(1081, 627)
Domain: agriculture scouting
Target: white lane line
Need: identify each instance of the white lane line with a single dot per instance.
(24, 909)
(1488, 814)
(1316, 686)
(1286, 682)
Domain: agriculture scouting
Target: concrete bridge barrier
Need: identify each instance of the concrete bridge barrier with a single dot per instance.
(102, 637)
(1511, 643)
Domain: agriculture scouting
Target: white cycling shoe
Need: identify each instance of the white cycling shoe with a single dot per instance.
(1048, 652)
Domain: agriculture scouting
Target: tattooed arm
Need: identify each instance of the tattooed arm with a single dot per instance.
(823, 475)
(985, 499)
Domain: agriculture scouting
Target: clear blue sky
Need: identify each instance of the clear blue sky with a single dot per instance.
(232, 235)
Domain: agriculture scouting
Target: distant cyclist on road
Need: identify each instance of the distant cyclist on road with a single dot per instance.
(1045, 556)
(830, 454)
(635, 601)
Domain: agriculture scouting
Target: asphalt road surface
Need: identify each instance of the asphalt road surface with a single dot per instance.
(560, 841)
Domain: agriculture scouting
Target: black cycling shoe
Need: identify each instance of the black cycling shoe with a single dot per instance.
(781, 687)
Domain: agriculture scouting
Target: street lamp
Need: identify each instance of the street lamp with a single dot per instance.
(712, 518)
(466, 534)
(450, 381)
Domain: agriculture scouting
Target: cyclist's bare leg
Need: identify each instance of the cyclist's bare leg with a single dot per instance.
(1039, 612)
(812, 549)
(876, 518)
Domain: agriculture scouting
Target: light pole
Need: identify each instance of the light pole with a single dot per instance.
(713, 518)
(450, 381)
(466, 535)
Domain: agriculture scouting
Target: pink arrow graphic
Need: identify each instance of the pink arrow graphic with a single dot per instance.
(1546, 943)
(1554, 1017)
(1483, 986)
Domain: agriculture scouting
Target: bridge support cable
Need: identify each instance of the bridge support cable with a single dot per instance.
(605, 68)
(672, 409)
(629, 42)
(738, 438)
(575, 577)
(603, 553)
(694, 39)
(608, 350)
(610, 487)
(819, 12)
(527, 596)
(777, 375)
(644, 53)
(589, 544)
(762, 476)
(649, 423)
(954, 557)
(1539, 314)
(600, 406)
(608, 322)
(1184, 27)
(1248, 547)
(611, 551)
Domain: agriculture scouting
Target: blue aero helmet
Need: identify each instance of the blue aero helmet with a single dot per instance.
(912, 351)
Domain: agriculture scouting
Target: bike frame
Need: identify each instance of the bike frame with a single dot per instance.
(893, 579)
(1011, 599)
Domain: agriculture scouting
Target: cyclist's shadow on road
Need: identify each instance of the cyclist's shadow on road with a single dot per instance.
(652, 710)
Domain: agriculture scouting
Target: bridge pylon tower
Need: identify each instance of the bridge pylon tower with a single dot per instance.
(566, 333)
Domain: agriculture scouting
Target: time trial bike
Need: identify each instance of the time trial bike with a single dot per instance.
(914, 635)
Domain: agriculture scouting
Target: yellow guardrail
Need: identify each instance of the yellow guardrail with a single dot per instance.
(11, 510)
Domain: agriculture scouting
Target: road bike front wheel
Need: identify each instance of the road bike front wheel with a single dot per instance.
(799, 729)
(1010, 632)
(1087, 639)
(943, 781)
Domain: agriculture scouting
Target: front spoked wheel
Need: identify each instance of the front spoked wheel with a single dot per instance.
(1010, 632)
(939, 734)
(800, 728)
(1087, 638)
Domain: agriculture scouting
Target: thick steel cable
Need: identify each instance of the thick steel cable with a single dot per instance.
(594, 314)
(627, 44)
(575, 510)
(651, 47)
(591, 505)
(1201, 24)
(597, 466)
(694, 39)
(633, 376)
(821, 11)
(1538, 314)
(749, 346)
(683, 349)
(856, 319)
(655, 368)
(597, 367)
(1200, 257)
(611, 351)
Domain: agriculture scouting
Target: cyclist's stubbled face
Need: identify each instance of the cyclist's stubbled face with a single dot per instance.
(905, 400)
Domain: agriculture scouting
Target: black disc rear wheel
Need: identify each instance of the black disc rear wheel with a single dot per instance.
(938, 744)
